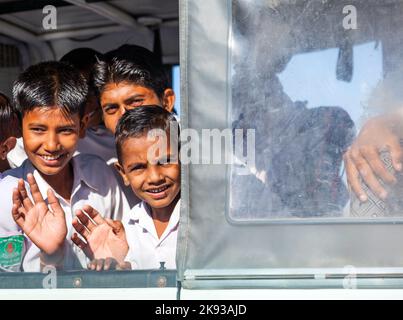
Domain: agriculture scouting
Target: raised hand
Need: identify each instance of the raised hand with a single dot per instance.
(104, 238)
(46, 228)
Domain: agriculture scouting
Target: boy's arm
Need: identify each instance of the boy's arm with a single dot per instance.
(104, 238)
(55, 259)
(46, 228)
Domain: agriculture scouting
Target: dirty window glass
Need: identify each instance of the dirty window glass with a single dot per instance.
(305, 77)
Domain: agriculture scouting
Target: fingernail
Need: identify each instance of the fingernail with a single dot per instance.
(363, 198)
(398, 166)
(383, 195)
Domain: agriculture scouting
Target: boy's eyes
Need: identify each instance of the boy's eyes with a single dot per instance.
(67, 131)
(64, 130)
(161, 162)
(111, 109)
(38, 130)
(138, 167)
(136, 103)
(167, 161)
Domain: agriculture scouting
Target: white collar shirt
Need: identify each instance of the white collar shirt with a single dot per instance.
(94, 184)
(98, 141)
(146, 250)
(17, 155)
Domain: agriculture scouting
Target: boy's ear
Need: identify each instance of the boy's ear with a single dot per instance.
(83, 126)
(169, 100)
(122, 173)
(7, 146)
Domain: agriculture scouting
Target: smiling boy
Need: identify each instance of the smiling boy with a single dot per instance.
(126, 78)
(83, 60)
(50, 98)
(129, 77)
(149, 233)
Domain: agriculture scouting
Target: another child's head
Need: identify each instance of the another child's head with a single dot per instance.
(151, 171)
(9, 127)
(84, 60)
(50, 98)
(129, 77)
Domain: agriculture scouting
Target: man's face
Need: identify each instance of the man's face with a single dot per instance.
(117, 98)
(154, 181)
(50, 138)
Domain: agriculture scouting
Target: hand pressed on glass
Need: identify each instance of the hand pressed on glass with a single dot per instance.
(363, 157)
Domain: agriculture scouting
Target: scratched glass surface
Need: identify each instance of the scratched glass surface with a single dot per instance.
(306, 76)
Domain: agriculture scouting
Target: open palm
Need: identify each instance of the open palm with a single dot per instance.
(46, 228)
(104, 238)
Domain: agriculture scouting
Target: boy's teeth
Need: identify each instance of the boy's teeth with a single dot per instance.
(158, 190)
(49, 158)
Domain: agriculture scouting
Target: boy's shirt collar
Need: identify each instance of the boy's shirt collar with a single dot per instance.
(79, 176)
(142, 214)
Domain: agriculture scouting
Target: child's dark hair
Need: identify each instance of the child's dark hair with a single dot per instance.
(83, 59)
(9, 119)
(139, 121)
(49, 84)
(134, 65)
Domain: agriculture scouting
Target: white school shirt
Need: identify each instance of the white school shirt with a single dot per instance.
(98, 141)
(9, 231)
(17, 155)
(146, 250)
(94, 184)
